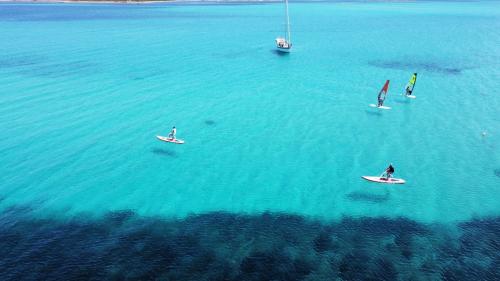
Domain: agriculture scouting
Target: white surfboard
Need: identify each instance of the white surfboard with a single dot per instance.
(381, 107)
(384, 180)
(176, 141)
(411, 96)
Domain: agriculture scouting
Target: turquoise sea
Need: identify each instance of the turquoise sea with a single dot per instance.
(275, 144)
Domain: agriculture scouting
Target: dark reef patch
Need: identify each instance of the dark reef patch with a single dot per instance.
(38, 66)
(273, 265)
(58, 69)
(418, 66)
(368, 197)
(354, 266)
(323, 242)
(164, 152)
(497, 172)
(118, 218)
(224, 246)
(379, 227)
(209, 122)
(19, 60)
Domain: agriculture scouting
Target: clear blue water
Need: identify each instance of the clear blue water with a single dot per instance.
(86, 88)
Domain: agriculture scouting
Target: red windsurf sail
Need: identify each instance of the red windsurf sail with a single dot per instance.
(383, 93)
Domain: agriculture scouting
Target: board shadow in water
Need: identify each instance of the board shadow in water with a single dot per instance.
(226, 246)
(402, 101)
(374, 113)
(210, 122)
(164, 152)
(279, 53)
(367, 197)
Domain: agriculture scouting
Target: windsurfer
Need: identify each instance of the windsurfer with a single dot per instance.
(411, 84)
(382, 94)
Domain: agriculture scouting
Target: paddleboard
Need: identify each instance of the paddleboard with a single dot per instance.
(381, 107)
(176, 141)
(384, 180)
(411, 96)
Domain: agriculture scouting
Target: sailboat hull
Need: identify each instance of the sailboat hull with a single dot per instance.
(284, 50)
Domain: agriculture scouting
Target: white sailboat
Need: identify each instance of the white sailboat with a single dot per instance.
(285, 44)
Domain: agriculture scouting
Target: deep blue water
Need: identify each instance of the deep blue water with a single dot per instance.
(267, 186)
(223, 246)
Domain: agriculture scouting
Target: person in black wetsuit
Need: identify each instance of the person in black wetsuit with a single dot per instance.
(380, 101)
(172, 133)
(389, 171)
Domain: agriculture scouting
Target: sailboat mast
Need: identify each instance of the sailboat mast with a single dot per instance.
(287, 22)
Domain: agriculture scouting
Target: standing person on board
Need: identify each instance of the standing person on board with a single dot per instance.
(172, 133)
(389, 171)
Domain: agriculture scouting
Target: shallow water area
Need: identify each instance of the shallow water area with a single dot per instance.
(268, 184)
(86, 88)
